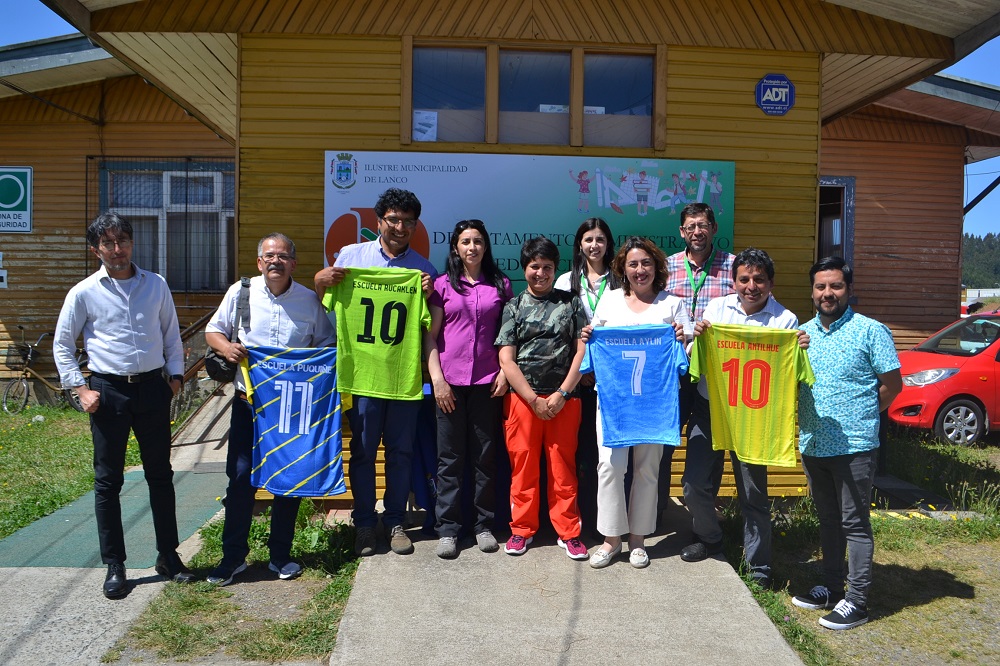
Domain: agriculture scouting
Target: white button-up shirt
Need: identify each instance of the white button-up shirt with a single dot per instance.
(126, 331)
(294, 318)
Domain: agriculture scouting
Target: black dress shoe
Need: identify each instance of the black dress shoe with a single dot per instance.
(170, 567)
(699, 551)
(115, 585)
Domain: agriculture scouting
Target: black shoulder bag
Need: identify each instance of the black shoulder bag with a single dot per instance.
(217, 366)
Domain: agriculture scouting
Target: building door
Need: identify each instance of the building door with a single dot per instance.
(835, 235)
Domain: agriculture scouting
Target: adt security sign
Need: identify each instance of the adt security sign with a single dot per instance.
(775, 94)
(15, 199)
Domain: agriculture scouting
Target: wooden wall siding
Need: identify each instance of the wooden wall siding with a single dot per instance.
(850, 80)
(43, 265)
(711, 115)
(908, 215)
(784, 25)
(881, 123)
(199, 67)
(300, 96)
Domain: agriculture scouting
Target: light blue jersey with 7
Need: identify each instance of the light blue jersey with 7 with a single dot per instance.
(637, 371)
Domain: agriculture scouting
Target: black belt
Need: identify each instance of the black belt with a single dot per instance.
(130, 379)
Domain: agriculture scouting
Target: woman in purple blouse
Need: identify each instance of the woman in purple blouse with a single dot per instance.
(466, 305)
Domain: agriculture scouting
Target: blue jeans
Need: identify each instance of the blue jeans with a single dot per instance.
(393, 422)
(240, 496)
(841, 487)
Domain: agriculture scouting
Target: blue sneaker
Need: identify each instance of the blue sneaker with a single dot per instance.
(223, 574)
(286, 571)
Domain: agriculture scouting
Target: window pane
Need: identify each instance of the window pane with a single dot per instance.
(192, 190)
(229, 190)
(195, 253)
(449, 94)
(145, 241)
(534, 97)
(136, 189)
(618, 100)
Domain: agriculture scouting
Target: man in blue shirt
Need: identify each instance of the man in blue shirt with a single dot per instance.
(857, 376)
(393, 422)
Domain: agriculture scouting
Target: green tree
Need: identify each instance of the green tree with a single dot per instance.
(981, 261)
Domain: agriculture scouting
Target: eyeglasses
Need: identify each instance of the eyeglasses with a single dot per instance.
(407, 222)
(691, 228)
(276, 257)
(109, 245)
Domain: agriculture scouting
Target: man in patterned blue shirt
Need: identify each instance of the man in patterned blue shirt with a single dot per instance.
(857, 376)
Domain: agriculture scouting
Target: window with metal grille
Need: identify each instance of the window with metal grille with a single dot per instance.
(182, 212)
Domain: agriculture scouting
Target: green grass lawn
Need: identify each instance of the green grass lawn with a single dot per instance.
(935, 595)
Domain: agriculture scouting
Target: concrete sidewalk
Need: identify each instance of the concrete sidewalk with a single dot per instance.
(540, 608)
(543, 608)
(57, 615)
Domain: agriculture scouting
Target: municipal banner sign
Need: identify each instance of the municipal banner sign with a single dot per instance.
(520, 196)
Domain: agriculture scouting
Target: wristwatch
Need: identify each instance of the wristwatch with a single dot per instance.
(179, 378)
(564, 394)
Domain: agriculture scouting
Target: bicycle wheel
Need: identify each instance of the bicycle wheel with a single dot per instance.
(73, 399)
(15, 395)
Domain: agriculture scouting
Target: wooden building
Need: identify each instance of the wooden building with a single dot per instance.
(892, 174)
(285, 80)
(95, 134)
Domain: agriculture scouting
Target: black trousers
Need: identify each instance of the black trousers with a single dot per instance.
(240, 496)
(586, 459)
(467, 437)
(688, 394)
(144, 409)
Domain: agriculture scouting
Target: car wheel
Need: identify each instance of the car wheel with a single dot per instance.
(960, 422)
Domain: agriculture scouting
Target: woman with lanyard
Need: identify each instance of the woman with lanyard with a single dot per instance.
(642, 269)
(589, 277)
(464, 366)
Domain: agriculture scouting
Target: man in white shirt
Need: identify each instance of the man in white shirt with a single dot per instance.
(753, 304)
(283, 313)
(129, 326)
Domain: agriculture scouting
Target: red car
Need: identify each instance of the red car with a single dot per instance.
(950, 381)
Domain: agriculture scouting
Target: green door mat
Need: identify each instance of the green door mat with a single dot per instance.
(68, 537)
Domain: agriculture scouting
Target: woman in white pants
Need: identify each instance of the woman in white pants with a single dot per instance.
(641, 267)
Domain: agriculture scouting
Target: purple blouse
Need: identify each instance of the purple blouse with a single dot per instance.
(468, 330)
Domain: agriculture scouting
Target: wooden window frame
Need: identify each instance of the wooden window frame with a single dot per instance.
(492, 93)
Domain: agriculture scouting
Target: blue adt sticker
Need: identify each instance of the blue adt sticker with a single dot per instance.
(775, 94)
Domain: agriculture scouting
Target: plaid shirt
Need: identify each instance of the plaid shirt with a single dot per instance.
(718, 282)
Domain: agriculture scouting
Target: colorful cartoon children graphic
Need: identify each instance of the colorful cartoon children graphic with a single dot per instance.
(678, 194)
(583, 203)
(642, 186)
(714, 190)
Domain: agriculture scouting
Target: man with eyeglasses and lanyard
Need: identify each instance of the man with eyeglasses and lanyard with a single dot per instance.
(372, 419)
(283, 313)
(130, 332)
(697, 274)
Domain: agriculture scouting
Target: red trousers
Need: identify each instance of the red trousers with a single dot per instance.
(527, 437)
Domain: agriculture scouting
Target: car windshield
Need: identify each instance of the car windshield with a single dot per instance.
(967, 337)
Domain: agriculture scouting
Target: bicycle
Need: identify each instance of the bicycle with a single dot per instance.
(21, 356)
